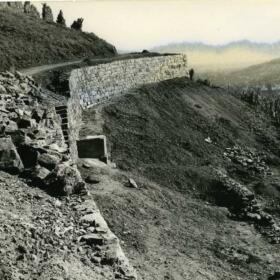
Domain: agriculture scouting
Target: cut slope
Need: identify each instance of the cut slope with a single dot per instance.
(170, 137)
(27, 41)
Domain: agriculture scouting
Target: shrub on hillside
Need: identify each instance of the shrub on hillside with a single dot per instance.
(77, 24)
(205, 82)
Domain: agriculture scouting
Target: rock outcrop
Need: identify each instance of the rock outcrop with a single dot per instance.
(32, 145)
(32, 140)
(244, 205)
(65, 179)
(9, 157)
(249, 159)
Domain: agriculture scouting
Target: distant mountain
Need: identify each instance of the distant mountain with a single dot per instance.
(187, 46)
(234, 55)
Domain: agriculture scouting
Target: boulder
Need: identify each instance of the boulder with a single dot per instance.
(9, 158)
(2, 89)
(65, 180)
(95, 219)
(92, 239)
(39, 174)
(18, 137)
(91, 179)
(132, 184)
(24, 122)
(38, 114)
(48, 161)
(11, 127)
(57, 148)
(29, 155)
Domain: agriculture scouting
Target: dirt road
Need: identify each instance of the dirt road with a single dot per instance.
(37, 69)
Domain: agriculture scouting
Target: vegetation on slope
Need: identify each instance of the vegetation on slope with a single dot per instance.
(27, 41)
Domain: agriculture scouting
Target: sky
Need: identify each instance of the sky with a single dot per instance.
(143, 24)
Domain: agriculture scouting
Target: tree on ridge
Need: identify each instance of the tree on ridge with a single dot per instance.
(60, 19)
(77, 24)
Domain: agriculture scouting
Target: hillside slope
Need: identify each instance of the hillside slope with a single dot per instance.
(231, 56)
(27, 41)
(260, 74)
(181, 223)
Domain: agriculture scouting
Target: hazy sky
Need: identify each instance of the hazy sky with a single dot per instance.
(144, 24)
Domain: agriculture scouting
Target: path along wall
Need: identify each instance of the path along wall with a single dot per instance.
(96, 84)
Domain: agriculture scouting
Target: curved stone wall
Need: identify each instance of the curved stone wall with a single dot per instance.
(96, 84)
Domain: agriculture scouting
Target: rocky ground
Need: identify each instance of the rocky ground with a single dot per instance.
(191, 191)
(43, 237)
(45, 233)
(206, 166)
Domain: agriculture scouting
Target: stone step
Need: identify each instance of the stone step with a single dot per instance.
(62, 113)
(60, 107)
(64, 126)
(63, 116)
(64, 120)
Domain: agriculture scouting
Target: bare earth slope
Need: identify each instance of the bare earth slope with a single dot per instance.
(27, 41)
(180, 224)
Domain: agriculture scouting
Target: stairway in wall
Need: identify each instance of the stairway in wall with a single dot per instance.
(62, 112)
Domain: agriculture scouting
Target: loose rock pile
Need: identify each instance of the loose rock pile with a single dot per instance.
(31, 138)
(47, 238)
(100, 245)
(32, 146)
(244, 206)
(252, 161)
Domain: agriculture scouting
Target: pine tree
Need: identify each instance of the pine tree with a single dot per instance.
(60, 19)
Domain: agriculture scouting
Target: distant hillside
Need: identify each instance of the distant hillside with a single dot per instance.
(27, 41)
(229, 56)
(260, 74)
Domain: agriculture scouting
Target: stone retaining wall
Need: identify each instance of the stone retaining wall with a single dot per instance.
(96, 84)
